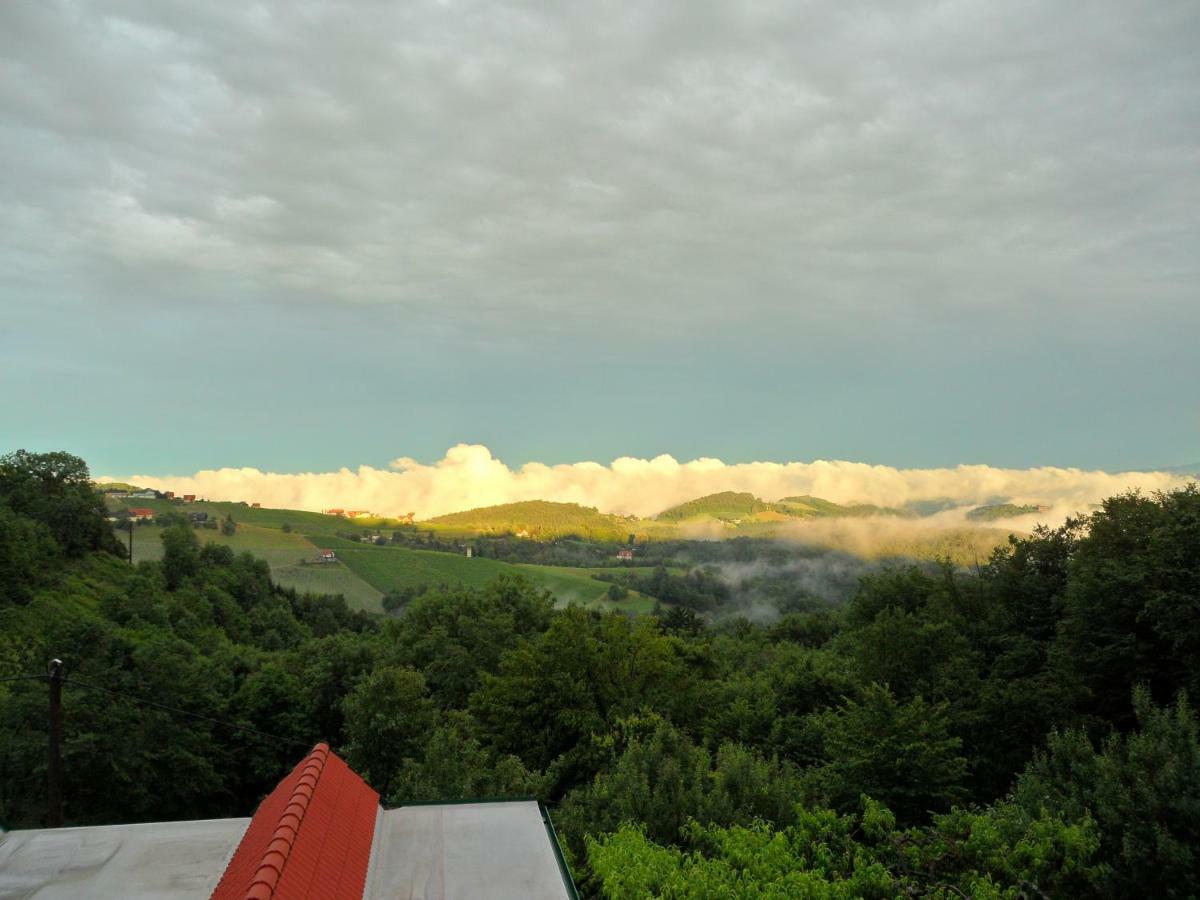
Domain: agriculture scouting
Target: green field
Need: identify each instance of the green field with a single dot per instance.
(393, 568)
(281, 551)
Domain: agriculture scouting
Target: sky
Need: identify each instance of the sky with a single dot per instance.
(305, 236)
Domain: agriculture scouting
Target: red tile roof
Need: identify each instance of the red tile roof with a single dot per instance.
(310, 838)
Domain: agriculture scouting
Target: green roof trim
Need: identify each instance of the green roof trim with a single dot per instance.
(563, 868)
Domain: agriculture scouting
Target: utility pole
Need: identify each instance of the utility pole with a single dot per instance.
(54, 760)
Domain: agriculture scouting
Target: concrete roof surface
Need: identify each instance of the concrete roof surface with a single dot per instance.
(464, 851)
(160, 860)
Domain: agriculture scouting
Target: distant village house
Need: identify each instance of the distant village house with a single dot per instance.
(326, 556)
(141, 514)
(625, 553)
(189, 498)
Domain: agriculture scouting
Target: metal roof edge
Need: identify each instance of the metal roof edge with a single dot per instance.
(563, 869)
(462, 801)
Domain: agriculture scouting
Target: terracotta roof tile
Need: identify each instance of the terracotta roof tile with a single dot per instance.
(310, 838)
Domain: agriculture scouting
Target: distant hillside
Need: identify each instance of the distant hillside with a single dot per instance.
(998, 511)
(929, 507)
(729, 506)
(539, 519)
(811, 507)
(107, 487)
(726, 506)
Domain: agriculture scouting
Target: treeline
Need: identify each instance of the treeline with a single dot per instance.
(1022, 730)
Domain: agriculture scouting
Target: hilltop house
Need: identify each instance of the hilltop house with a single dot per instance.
(168, 495)
(141, 514)
(336, 511)
(189, 498)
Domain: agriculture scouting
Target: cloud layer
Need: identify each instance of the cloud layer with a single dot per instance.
(500, 159)
(469, 476)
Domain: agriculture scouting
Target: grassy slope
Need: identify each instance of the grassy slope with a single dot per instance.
(386, 568)
(282, 552)
(806, 506)
(725, 505)
(541, 518)
(750, 510)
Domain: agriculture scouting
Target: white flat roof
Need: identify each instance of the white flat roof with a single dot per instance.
(464, 851)
(164, 860)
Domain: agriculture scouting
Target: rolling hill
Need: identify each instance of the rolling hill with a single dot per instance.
(732, 507)
(539, 519)
(725, 506)
(998, 511)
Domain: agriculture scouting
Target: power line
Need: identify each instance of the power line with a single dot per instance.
(183, 712)
(23, 678)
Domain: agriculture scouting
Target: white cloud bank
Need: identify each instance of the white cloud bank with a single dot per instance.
(469, 476)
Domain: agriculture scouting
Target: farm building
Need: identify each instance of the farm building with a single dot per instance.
(189, 498)
(141, 514)
(326, 556)
(168, 495)
(335, 512)
(625, 553)
(320, 833)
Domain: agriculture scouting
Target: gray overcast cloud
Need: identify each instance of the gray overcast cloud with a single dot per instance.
(812, 161)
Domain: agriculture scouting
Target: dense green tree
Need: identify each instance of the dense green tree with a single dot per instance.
(1142, 789)
(456, 766)
(1132, 605)
(455, 636)
(27, 551)
(661, 779)
(56, 490)
(574, 681)
(388, 717)
(181, 555)
(902, 753)
(995, 853)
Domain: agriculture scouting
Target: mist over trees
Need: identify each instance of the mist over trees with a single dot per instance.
(1025, 728)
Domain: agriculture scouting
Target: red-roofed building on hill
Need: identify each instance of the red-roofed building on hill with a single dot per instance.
(141, 513)
(319, 835)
